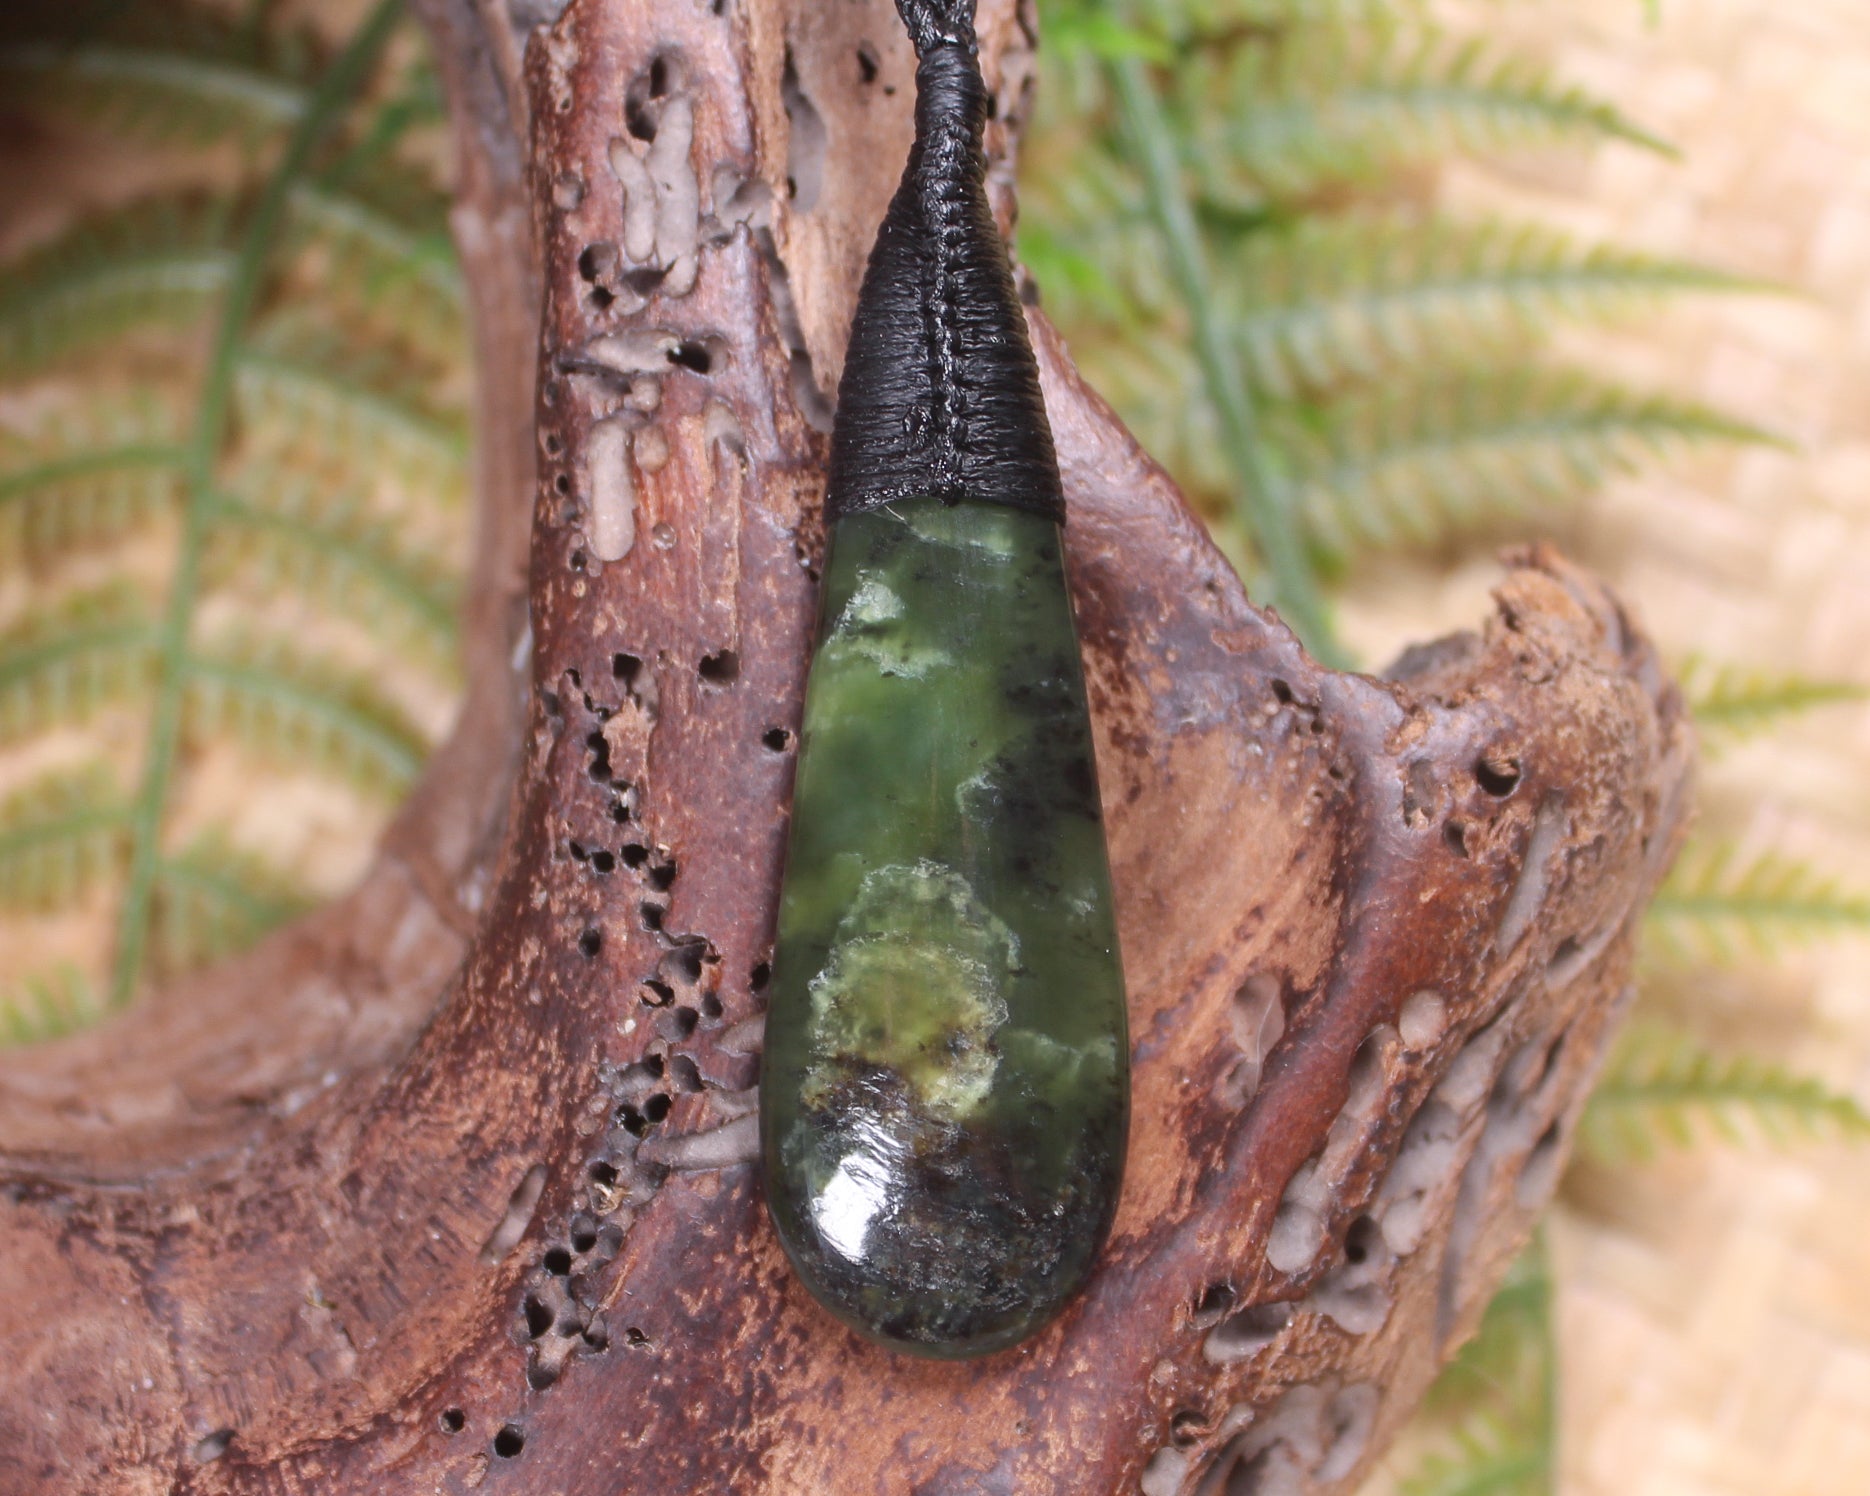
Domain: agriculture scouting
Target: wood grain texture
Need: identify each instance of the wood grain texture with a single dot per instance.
(450, 1189)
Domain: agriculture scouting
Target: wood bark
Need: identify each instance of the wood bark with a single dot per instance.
(449, 1188)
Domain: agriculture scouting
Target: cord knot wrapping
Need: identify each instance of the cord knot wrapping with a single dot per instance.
(934, 24)
(940, 394)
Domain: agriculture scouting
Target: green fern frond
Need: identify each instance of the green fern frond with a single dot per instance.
(1089, 243)
(159, 264)
(1212, 14)
(184, 76)
(1733, 701)
(1287, 577)
(1199, 20)
(1354, 297)
(60, 836)
(1347, 104)
(1486, 1456)
(385, 266)
(1494, 1402)
(84, 475)
(1662, 1088)
(310, 408)
(1718, 904)
(352, 565)
(169, 98)
(1159, 392)
(48, 1005)
(67, 661)
(1505, 1358)
(305, 713)
(214, 900)
(412, 100)
(1422, 460)
(1090, 31)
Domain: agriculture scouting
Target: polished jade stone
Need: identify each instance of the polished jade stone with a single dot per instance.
(944, 1098)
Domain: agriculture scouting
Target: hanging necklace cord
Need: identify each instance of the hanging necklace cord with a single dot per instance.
(940, 394)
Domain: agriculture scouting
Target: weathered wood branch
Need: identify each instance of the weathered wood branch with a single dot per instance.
(449, 1188)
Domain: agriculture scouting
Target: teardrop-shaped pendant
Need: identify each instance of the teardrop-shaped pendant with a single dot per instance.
(945, 1091)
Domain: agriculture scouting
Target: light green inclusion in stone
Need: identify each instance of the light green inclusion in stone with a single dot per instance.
(944, 1099)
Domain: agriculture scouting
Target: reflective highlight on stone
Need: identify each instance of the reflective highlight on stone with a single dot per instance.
(944, 1098)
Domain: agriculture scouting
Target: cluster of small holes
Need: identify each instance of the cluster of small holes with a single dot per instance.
(557, 1309)
(558, 1317)
(558, 1312)
(1307, 713)
(1498, 773)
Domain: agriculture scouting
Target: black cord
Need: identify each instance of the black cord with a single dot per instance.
(940, 394)
(934, 23)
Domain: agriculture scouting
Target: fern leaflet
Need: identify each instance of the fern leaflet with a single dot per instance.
(1422, 460)
(60, 836)
(304, 712)
(177, 675)
(165, 98)
(1661, 1088)
(178, 76)
(91, 650)
(350, 564)
(1733, 701)
(1336, 104)
(1354, 297)
(159, 264)
(300, 410)
(48, 1005)
(382, 266)
(213, 900)
(330, 464)
(1496, 1400)
(1487, 1457)
(1719, 903)
(1290, 581)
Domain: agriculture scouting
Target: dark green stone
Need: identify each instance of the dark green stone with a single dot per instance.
(944, 1099)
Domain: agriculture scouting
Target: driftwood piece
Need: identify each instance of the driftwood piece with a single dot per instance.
(449, 1188)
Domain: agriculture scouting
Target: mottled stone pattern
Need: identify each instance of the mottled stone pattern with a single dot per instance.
(945, 1093)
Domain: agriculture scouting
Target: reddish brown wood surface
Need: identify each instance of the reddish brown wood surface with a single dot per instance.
(449, 1188)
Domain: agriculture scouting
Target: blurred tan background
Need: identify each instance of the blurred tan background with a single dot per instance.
(1714, 1307)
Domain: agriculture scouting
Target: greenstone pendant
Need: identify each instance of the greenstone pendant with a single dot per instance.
(944, 1099)
(945, 1095)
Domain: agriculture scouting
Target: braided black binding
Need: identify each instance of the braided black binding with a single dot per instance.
(935, 23)
(940, 394)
